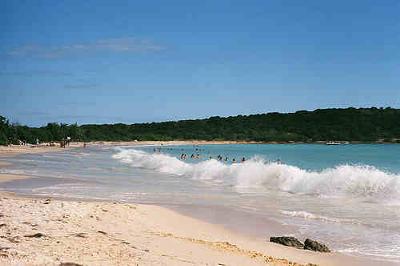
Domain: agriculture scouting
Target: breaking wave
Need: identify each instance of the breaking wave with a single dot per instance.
(256, 173)
(311, 216)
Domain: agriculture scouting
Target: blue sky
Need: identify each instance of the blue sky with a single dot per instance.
(139, 61)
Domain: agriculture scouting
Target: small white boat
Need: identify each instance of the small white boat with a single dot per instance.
(333, 143)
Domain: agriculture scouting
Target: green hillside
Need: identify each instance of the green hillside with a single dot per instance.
(351, 124)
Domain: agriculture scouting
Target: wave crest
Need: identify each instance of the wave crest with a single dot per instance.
(256, 173)
(311, 216)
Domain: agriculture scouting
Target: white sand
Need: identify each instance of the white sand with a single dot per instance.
(106, 233)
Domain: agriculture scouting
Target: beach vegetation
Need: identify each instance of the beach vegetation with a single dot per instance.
(350, 124)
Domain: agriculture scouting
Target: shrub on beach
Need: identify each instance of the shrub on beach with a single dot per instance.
(4, 127)
(3, 139)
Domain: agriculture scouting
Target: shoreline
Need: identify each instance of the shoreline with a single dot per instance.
(12, 150)
(222, 142)
(228, 244)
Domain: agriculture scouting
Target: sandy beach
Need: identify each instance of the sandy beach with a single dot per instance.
(44, 231)
(38, 231)
(13, 150)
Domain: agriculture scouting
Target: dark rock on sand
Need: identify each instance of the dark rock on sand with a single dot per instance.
(287, 241)
(315, 246)
(82, 235)
(69, 264)
(37, 235)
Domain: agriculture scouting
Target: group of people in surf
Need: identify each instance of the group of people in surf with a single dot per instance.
(196, 155)
(184, 156)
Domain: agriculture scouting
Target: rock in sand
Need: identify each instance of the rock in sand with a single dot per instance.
(315, 246)
(289, 241)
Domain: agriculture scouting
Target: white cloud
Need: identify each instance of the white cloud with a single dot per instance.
(116, 45)
(32, 73)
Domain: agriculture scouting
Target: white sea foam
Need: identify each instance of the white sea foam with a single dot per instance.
(256, 173)
(311, 216)
(17, 172)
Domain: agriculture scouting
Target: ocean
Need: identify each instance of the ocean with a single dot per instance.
(347, 196)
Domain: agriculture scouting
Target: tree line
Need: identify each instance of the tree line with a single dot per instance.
(350, 124)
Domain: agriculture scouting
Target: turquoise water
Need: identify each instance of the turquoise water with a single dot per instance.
(346, 195)
(306, 156)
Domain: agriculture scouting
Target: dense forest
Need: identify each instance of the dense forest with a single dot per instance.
(351, 124)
